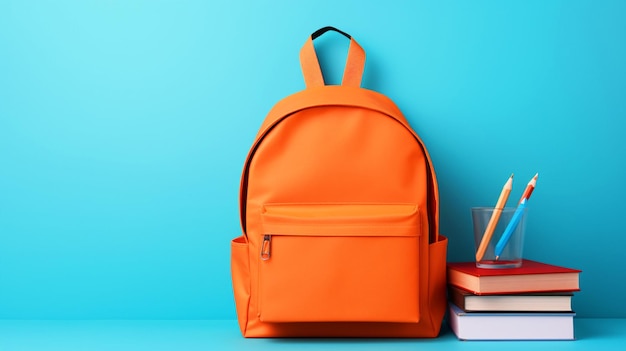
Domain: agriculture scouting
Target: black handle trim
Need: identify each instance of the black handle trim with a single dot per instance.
(321, 31)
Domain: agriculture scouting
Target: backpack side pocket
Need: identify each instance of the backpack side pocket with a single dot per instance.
(240, 271)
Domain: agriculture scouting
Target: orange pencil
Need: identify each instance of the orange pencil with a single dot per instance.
(493, 221)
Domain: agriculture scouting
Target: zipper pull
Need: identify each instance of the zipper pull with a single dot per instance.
(265, 247)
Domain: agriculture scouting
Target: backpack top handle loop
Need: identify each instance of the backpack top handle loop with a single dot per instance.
(355, 62)
(323, 30)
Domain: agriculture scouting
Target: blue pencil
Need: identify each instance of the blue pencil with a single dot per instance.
(510, 228)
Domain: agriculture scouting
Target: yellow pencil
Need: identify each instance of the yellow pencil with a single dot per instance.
(493, 221)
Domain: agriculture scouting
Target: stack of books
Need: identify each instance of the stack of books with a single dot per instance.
(533, 302)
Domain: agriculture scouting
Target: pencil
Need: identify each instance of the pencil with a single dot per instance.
(529, 188)
(493, 221)
(517, 216)
(510, 228)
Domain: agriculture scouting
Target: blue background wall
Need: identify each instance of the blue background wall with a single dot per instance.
(124, 126)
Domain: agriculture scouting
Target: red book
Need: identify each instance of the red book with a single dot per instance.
(532, 276)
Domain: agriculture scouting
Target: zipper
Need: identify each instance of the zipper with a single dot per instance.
(266, 247)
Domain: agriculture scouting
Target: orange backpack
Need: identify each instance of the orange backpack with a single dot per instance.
(339, 210)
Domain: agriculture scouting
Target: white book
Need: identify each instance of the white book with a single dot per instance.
(511, 326)
(531, 302)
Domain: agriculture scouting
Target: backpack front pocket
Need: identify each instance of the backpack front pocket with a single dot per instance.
(339, 263)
